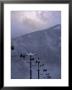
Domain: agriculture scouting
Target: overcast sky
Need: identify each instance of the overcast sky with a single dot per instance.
(23, 22)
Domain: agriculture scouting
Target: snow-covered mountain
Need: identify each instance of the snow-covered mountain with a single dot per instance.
(46, 44)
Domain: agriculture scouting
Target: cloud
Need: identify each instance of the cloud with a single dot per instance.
(23, 22)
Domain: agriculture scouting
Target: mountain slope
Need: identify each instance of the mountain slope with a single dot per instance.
(46, 44)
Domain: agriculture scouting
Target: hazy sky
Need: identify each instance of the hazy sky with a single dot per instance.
(23, 22)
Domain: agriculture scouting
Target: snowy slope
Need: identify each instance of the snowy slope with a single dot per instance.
(46, 44)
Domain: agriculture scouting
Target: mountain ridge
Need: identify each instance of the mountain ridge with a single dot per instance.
(58, 25)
